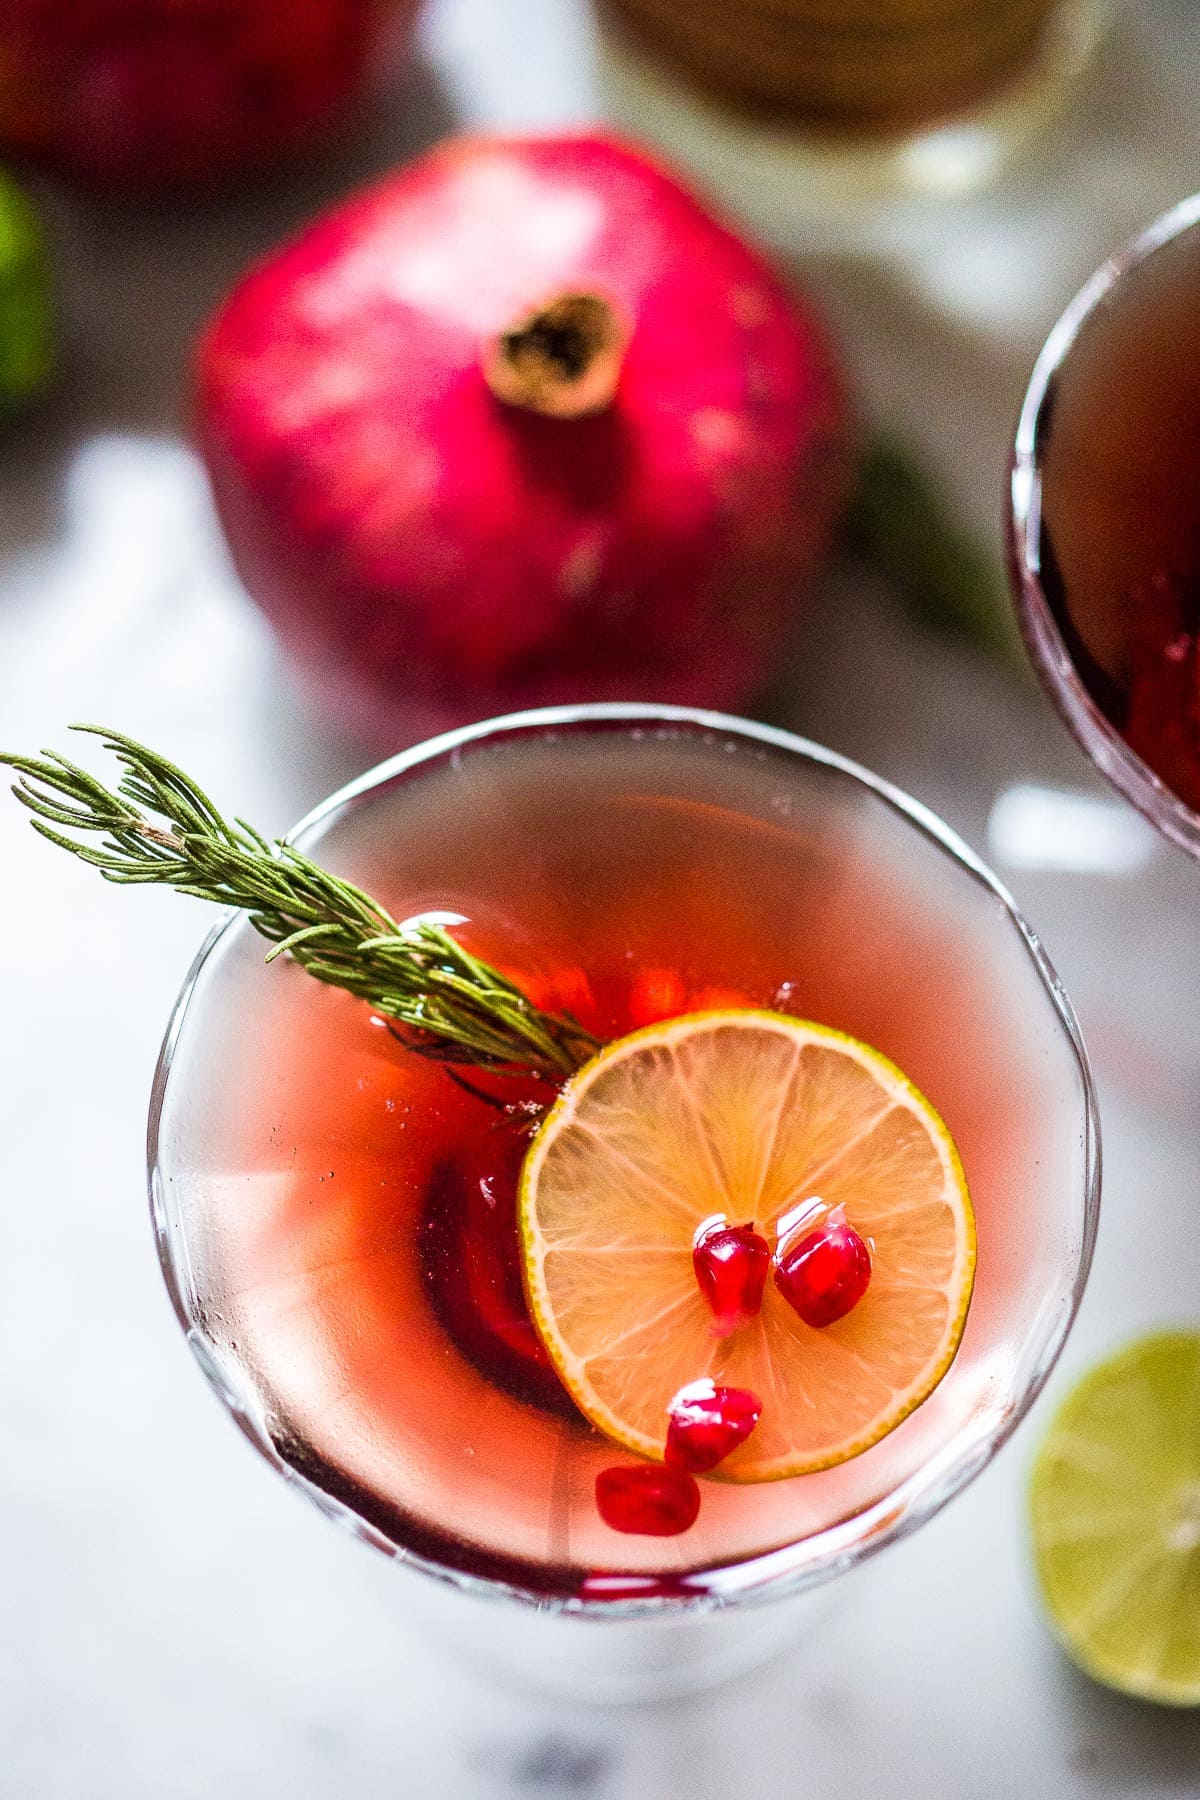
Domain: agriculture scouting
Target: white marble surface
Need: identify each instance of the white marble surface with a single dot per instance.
(174, 1625)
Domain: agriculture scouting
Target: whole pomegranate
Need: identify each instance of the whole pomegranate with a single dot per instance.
(521, 424)
(165, 93)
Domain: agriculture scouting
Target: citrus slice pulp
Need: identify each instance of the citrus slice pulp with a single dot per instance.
(1115, 1507)
(747, 1115)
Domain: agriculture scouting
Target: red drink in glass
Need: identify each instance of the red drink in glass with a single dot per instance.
(337, 1214)
(1106, 526)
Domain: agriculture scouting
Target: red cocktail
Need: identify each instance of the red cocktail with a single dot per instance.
(1105, 526)
(337, 1216)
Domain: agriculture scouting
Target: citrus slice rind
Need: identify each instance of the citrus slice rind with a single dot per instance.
(1115, 1514)
(743, 1114)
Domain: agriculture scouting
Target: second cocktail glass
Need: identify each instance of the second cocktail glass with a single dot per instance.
(1104, 546)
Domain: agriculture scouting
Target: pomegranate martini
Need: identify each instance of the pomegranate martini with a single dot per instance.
(677, 1182)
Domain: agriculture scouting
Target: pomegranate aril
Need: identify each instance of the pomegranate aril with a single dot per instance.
(731, 1264)
(707, 1423)
(825, 1274)
(647, 1500)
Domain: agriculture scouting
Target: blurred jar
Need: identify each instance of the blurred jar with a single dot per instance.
(864, 99)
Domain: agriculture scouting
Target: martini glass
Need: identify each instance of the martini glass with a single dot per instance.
(298, 1160)
(1103, 540)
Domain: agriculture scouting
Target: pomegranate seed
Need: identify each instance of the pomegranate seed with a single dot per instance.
(707, 1422)
(826, 1273)
(648, 1499)
(731, 1263)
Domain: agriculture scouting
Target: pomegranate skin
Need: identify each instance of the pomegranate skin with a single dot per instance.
(144, 95)
(429, 554)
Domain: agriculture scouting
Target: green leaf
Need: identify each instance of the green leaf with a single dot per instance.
(900, 523)
(27, 327)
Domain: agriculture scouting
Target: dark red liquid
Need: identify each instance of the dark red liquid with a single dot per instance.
(1120, 471)
(470, 1259)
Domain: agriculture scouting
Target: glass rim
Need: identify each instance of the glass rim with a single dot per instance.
(1044, 640)
(809, 1561)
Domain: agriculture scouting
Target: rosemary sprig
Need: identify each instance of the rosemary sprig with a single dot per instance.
(158, 826)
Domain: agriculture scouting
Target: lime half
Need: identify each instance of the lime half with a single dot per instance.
(1116, 1520)
(26, 321)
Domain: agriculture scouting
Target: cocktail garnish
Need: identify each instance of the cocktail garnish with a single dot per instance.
(732, 1263)
(740, 1114)
(654, 1310)
(647, 1499)
(707, 1422)
(158, 826)
(824, 1273)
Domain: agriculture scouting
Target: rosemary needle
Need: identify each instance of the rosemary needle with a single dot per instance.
(156, 825)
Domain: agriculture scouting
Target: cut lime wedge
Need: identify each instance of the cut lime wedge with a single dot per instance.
(1115, 1507)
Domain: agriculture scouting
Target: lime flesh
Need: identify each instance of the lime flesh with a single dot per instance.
(1115, 1507)
(746, 1116)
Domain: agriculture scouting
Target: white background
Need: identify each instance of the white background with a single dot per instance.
(174, 1624)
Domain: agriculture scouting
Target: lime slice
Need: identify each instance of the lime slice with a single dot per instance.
(743, 1114)
(26, 325)
(1116, 1520)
